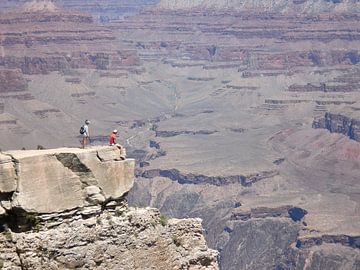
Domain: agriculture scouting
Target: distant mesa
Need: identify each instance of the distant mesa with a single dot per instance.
(40, 6)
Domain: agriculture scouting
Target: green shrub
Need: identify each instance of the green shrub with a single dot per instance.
(40, 147)
(163, 220)
(7, 234)
(176, 240)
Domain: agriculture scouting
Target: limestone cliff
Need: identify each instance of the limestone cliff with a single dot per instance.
(65, 209)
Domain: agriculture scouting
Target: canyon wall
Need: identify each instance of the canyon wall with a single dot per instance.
(67, 40)
(338, 123)
(294, 6)
(102, 10)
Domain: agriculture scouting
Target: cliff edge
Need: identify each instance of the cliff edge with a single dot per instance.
(66, 209)
(48, 181)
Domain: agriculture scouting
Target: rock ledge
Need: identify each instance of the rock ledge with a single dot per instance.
(50, 181)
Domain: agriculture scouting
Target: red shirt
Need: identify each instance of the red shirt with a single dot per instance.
(112, 139)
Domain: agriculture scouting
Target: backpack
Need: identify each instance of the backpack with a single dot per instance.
(82, 130)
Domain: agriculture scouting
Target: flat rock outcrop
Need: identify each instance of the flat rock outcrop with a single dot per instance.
(66, 209)
(48, 181)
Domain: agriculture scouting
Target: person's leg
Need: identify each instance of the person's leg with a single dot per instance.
(122, 151)
(83, 142)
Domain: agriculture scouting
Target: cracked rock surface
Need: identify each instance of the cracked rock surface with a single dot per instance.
(47, 181)
(66, 209)
(121, 238)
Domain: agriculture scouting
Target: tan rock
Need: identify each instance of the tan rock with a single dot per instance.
(62, 179)
(45, 185)
(133, 241)
(7, 174)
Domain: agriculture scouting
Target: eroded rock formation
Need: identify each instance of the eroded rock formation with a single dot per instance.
(50, 181)
(115, 238)
(289, 250)
(87, 41)
(66, 209)
(338, 123)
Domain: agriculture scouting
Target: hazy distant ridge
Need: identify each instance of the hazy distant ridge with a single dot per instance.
(306, 6)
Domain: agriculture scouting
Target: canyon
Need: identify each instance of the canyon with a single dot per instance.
(243, 113)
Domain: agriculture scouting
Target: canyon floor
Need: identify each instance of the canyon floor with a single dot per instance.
(227, 113)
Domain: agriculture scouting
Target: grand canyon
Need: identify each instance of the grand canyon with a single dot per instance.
(245, 114)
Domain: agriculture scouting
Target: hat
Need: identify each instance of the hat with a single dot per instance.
(87, 122)
(115, 131)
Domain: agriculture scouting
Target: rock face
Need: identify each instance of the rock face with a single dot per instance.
(66, 209)
(12, 81)
(72, 37)
(121, 238)
(50, 181)
(270, 227)
(338, 123)
(108, 9)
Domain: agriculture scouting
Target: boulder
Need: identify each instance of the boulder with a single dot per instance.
(56, 180)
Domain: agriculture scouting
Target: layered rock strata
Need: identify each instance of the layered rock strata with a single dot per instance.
(108, 9)
(289, 250)
(282, 40)
(306, 6)
(67, 39)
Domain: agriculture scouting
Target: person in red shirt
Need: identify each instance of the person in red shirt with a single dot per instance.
(112, 138)
(112, 142)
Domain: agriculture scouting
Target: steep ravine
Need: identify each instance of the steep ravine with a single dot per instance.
(258, 238)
